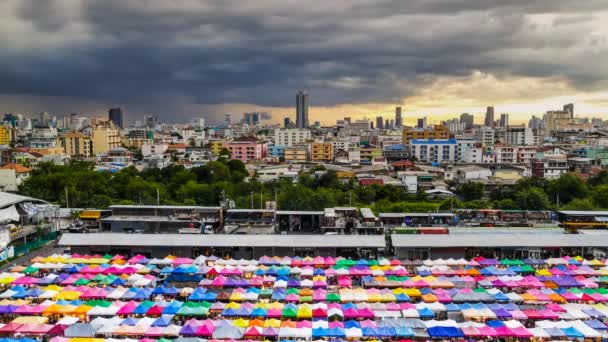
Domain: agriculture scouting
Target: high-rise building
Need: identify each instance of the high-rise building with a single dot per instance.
(504, 120)
(43, 121)
(302, 109)
(467, 120)
(489, 120)
(536, 123)
(387, 124)
(398, 120)
(290, 137)
(150, 121)
(115, 115)
(569, 108)
(227, 119)
(421, 122)
(251, 119)
(379, 122)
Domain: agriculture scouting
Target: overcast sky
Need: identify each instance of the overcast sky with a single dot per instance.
(187, 58)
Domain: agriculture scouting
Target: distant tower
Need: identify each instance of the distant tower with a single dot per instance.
(115, 115)
(489, 121)
(44, 119)
(504, 120)
(387, 124)
(379, 122)
(398, 122)
(227, 119)
(570, 109)
(302, 110)
(467, 120)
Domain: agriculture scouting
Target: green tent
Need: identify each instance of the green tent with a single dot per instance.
(99, 302)
(333, 297)
(81, 281)
(30, 270)
(306, 299)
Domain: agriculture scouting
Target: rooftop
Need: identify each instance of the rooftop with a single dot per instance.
(7, 199)
(433, 141)
(160, 207)
(222, 240)
(500, 240)
(17, 167)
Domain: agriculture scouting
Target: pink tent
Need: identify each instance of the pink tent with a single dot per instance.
(335, 324)
(154, 332)
(26, 280)
(182, 261)
(127, 308)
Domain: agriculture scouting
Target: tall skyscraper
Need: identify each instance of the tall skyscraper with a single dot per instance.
(398, 120)
(489, 121)
(421, 122)
(302, 109)
(227, 119)
(150, 121)
(504, 120)
(569, 108)
(379, 122)
(467, 120)
(387, 124)
(115, 115)
(43, 121)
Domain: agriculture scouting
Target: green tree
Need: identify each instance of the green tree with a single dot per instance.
(470, 191)
(599, 195)
(600, 179)
(532, 199)
(567, 187)
(506, 204)
(502, 192)
(579, 204)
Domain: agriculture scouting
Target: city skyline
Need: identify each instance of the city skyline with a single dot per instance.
(354, 59)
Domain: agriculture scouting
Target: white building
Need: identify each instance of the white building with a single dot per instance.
(290, 137)
(433, 150)
(464, 144)
(519, 136)
(471, 172)
(485, 135)
(153, 149)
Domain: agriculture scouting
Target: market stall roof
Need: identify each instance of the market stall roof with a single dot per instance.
(222, 240)
(7, 199)
(499, 240)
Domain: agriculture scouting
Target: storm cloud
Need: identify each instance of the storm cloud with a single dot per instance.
(157, 54)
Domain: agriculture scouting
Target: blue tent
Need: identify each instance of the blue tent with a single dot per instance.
(173, 308)
(198, 294)
(595, 324)
(404, 332)
(495, 323)
(351, 324)
(426, 313)
(319, 332)
(129, 321)
(163, 321)
(402, 297)
(445, 332)
(572, 332)
(258, 312)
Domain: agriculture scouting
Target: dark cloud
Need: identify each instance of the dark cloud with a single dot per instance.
(153, 54)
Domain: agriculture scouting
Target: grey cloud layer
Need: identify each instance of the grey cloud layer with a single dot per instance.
(261, 52)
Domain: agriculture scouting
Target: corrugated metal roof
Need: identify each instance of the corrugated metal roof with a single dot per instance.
(500, 240)
(174, 207)
(7, 198)
(584, 212)
(296, 212)
(222, 240)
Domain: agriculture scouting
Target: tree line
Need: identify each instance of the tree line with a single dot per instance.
(80, 186)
